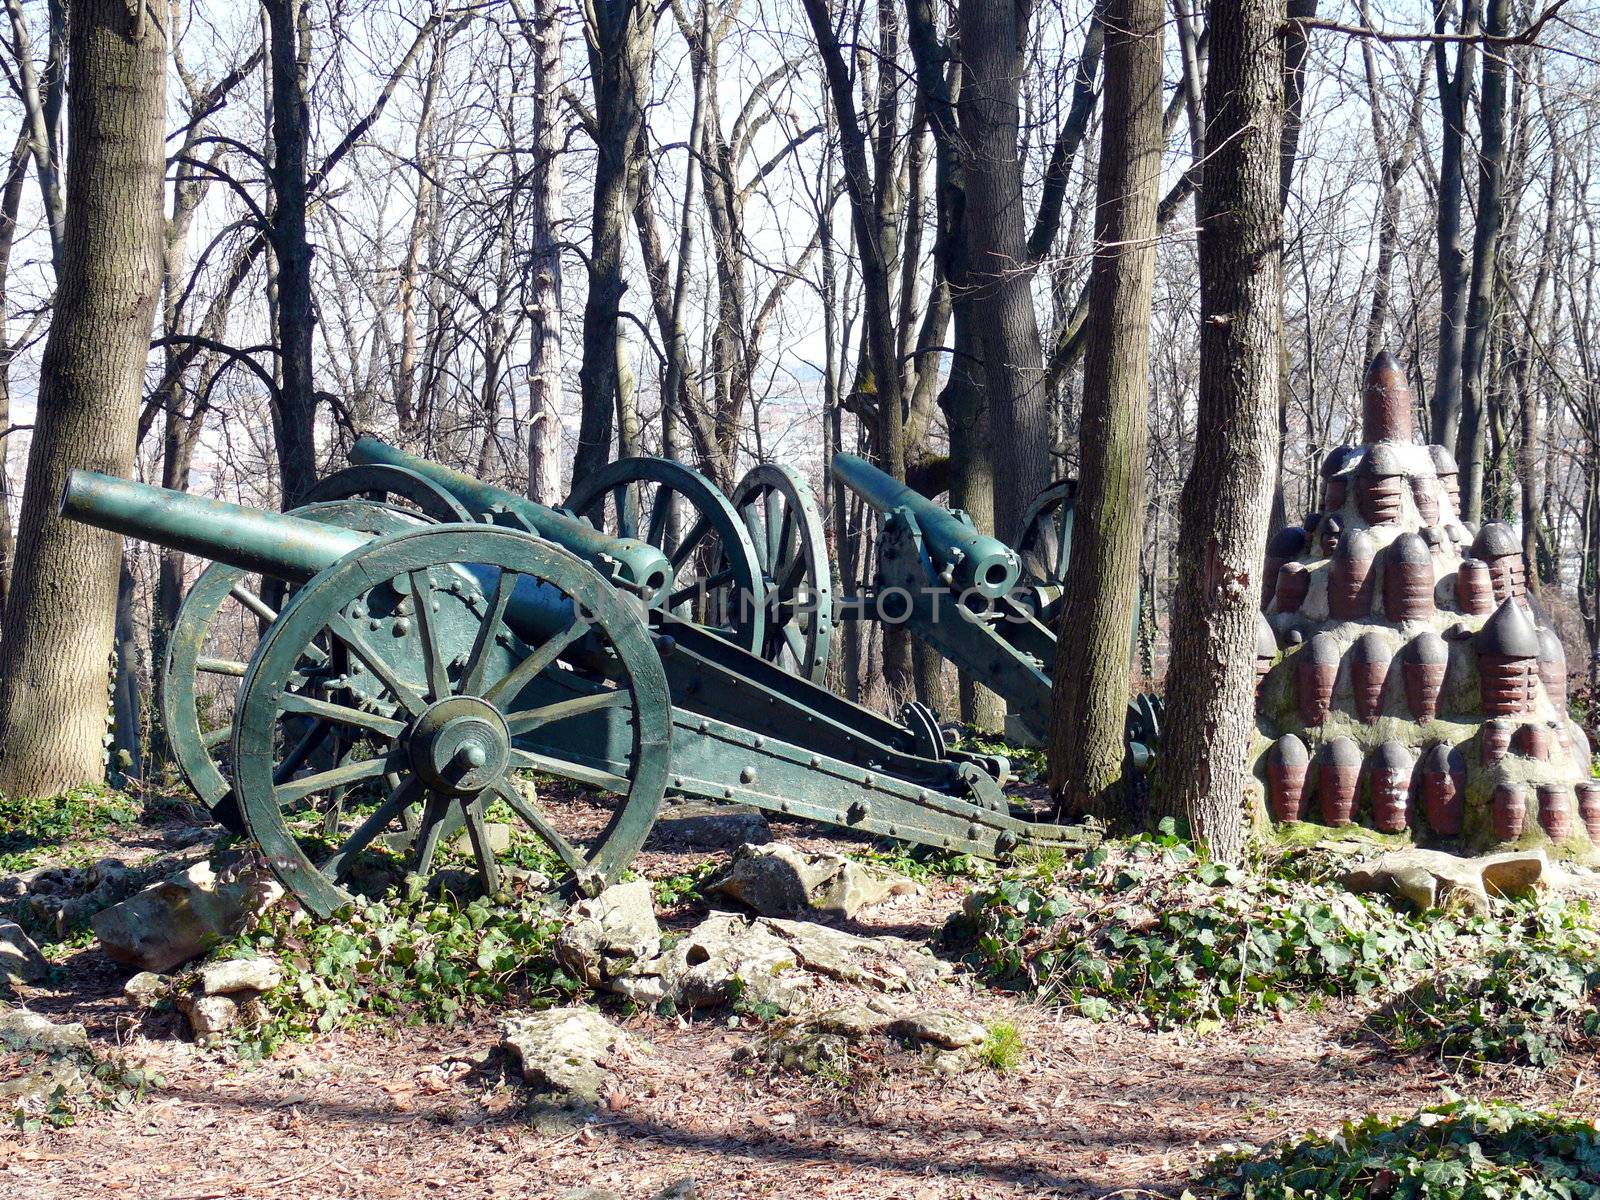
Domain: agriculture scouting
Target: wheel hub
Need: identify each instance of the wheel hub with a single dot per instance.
(460, 745)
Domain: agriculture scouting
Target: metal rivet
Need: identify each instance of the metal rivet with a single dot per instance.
(728, 793)
(748, 775)
(703, 727)
(402, 627)
(869, 779)
(375, 623)
(759, 742)
(816, 760)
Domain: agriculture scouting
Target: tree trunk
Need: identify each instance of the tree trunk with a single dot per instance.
(1485, 239)
(127, 763)
(619, 34)
(1202, 771)
(1095, 644)
(289, 56)
(56, 644)
(544, 267)
(993, 37)
(1454, 96)
(10, 206)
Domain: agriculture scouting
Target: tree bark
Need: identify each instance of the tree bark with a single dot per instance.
(1093, 651)
(289, 57)
(1000, 273)
(1454, 97)
(1202, 771)
(619, 36)
(544, 267)
(1485, 239)
(56, 642)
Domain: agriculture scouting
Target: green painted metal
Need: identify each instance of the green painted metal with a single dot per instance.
(624, 560)
(781, 513)
(963, 558)
(395, 486)
(716, 574)
(437, 668)
(287, 548)
(443, 702)
(195, 748)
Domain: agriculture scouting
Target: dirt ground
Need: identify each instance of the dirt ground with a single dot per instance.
(1092, 1110)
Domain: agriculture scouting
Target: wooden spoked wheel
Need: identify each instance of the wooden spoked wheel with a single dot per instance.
(456, 663)
(780, 512)
(717, 579)
(395, 487)
(1047, 535)
(210, 645)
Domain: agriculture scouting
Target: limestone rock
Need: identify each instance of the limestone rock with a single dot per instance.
(19, 957)
(57, 900)
(713, 825)
(937, 1027)
(887, 964)
(43, 1065)
(498, 833)
(146, 989)
(779, 880)
(182, 916)
(559, 1050)
(209, 1016)
(1432, 878)
(727, 958)
(603, 937)
(240, 975)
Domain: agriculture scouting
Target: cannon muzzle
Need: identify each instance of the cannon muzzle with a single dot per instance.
(963, 557)
(633, 565)
(279, 546)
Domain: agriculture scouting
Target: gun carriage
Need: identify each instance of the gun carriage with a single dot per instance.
(423, 669)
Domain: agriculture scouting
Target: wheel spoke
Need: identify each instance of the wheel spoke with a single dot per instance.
(377, 821)
(221, 666)
(300, 751)
(340, 776)
(253, 602)
(527, 760)
(217, 737)
(530, 719)
(627, 511)
(784, 542)
(427, 636)
(564, 850)
(488, 869)
(296, 702)
(660, 512)
(691, 540)
(795, 640)
(429, 835)
(792, 575)
(341, 628)
(525, 671)
(505, 585)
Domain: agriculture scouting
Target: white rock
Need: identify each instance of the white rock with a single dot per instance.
(209, 1016)
(240, 975)
(183, 916)
(560, 1049)
(19, 957)
(604, 937)
(146, 989)
(778, 880)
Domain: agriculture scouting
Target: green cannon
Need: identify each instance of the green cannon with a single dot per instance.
(983, 606)
(423, 674)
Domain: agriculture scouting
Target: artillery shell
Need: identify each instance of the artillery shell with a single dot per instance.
(1338, 779)
(1379, 482)
(1369, 669)
(1589, 808)
(1386, 401)
(1508, 652)
(1407, 579)
(1350, 577)
(1509, 811)
(1335, 492)
(1474, 587)
(1266, 651)
(1294, 581)
(1331, 530)
(1444, 466)
(1498, 547)
(1532, 740)
(1494, 740)
(1553, 668)
(1423, 664)
(1389, 769)
(1316, 667)
(1425, 494)
(1555, 810)
(1285, 546)
(1444, 789)
(1287, 764)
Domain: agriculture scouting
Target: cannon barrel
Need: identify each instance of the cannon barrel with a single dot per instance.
(961, 555)
(274, 544)
(279, 546)
(635, 565)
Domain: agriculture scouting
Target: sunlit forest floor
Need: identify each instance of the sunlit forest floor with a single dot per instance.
(1087, 1108)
